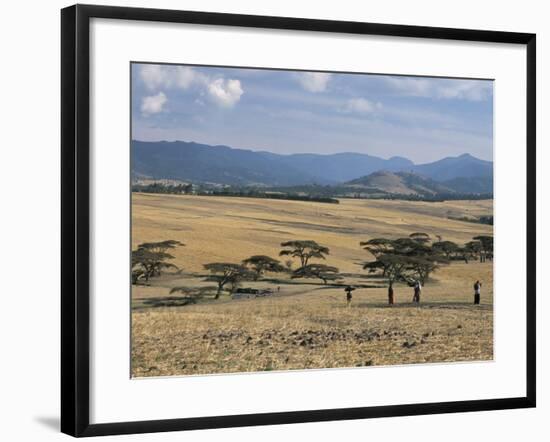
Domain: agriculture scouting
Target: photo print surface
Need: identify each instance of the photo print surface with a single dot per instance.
(290, 220)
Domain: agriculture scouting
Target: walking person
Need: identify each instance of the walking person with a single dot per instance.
(417, 290)
(477, 292)
(348, 291)
(390, 294)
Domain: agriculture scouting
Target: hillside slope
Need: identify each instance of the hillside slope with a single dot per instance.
(401, 183)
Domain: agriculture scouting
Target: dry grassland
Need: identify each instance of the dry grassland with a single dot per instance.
(305, 325)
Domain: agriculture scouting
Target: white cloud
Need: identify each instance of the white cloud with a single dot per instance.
(471, 90)
(154, 76)
(153, 104)
(361, 106)
(466, 90)
(185, 77)
(225, 93)
(314, 81)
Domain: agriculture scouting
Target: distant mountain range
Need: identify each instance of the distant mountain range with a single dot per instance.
(201, 163)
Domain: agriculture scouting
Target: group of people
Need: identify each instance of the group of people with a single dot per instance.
(417, 291)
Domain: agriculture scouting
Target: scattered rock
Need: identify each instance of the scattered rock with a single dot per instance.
(408, 344)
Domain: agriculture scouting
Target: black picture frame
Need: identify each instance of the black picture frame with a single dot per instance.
(75, 212)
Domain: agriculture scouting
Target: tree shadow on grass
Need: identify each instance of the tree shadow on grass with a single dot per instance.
(428, 305)
(356, 286)
(164, 301)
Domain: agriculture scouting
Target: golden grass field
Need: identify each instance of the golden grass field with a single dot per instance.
(304, 324)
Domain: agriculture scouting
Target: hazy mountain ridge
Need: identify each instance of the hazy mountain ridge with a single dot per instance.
(215, 164)
(463, 166)
(200, 163)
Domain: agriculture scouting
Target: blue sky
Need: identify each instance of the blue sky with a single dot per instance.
(421, 118)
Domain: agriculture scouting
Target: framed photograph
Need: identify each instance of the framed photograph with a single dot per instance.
(271, 220)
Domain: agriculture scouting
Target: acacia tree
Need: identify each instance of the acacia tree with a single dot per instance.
(319, 271)
(447, 248)
(420, 237)
(404, 259)
(421, 266)
(486, 247)
(377, 246)
(223, 273)
(262, 263)
(422, 258)
(395, 269)
(471, 250)
(160, 248)
(409, 247)
(304, 250)
(149, 259)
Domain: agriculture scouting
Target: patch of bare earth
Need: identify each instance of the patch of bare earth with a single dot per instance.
(307, 331)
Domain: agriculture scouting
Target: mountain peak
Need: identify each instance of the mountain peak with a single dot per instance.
(465, 165)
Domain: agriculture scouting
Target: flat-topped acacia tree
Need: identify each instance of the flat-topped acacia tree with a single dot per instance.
(304, 250)
(161, 246)
(223, 273)
(447, 248)
(404, 259)
(395, 268)
(149, 259)
(377, 246)
(420, 237)
(486, 247)
(260, 264)
(471, 250)
(319, 271)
